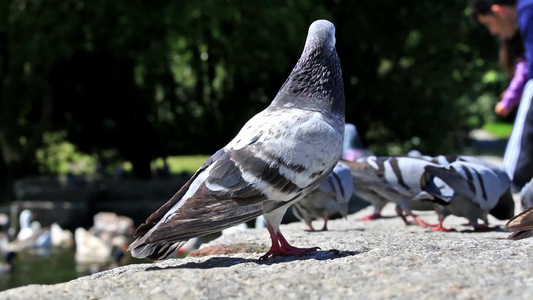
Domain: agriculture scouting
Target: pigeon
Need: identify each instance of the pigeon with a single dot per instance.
(391, 179)
(353, 148)
(521, 225)
(467, 190)
(379, 202)
(332, 196)
(526, 195)
(280, 155)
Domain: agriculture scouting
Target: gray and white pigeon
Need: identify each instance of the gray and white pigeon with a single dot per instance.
(467, 190)
(280, 155)
(332, 196)
(391, 179)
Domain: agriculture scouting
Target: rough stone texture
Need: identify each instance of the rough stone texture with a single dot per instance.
(380, 259)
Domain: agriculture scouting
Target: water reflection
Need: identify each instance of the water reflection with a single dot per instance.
(53, 265)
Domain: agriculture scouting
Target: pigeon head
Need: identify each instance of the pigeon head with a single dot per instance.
(315, 83)
(321, 32)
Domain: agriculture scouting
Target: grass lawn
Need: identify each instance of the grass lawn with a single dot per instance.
(499, 130)
(182, 163)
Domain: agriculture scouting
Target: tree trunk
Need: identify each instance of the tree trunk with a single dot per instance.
(141, 167)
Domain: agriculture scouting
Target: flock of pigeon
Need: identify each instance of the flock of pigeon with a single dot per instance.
(289, 154)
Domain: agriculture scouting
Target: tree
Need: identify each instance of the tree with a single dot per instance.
(151, 80)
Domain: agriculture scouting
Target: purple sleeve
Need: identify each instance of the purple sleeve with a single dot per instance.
(525, 23)
(511, 96)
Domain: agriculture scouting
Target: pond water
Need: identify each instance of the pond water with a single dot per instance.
(51, 265)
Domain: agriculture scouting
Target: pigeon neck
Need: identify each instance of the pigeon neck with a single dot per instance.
(315, 83)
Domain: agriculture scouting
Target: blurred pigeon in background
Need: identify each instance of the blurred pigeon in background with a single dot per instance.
(391, 179)
(352, 147)
(279, 156)
(467, 190)
(330, 197)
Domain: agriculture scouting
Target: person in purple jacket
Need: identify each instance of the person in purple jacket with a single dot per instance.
(511, 58)
(503, 18)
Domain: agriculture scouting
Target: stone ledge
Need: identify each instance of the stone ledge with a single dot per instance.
(359, 260)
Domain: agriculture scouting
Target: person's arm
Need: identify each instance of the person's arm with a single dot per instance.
(525, 23)
(511, 96)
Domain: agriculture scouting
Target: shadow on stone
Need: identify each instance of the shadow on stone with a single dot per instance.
(225, 262)
(335, 230)
(496, 229)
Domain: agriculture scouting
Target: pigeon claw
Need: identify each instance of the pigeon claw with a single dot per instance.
(423, 223)
(371, 217)
(441, 228)
(287, 251)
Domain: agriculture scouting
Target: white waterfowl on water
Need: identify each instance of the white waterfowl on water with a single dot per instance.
(31, 234)
(90, 248)
(27, 227)
(61, 237)
(279, 156)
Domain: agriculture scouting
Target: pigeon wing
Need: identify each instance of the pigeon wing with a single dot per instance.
(451, 177)
(221, 194)
(158, 214)
(523, 221)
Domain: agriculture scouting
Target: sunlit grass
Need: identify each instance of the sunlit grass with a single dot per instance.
(499, 130)
(60, 157)
(182, 163)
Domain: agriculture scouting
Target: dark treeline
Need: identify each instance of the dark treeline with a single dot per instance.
(146, 79)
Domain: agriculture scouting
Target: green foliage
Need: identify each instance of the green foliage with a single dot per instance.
(58, 156)
(134, 81)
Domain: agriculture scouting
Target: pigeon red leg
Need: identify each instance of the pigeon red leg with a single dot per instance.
(376, 215)
(326, 216)
(419, 220)
(399, 213)
(280, 246)
(440, 227)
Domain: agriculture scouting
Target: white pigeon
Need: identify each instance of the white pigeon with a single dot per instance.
(391, 179)
(467, 190)
(280, 155)
(332, 196)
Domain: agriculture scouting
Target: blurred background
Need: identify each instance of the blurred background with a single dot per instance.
(109, 106)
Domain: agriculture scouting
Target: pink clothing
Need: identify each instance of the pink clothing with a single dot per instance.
(513, 93)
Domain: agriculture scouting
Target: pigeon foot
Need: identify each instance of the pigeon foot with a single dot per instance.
(441, 228)
(280, 246)
(292, 251)
(423, 223)
(371, 217)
